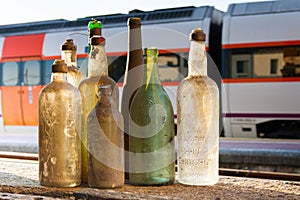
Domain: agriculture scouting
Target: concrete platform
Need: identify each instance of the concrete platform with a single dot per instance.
(21, 177)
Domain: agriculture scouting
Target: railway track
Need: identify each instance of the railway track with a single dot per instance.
(222, 171)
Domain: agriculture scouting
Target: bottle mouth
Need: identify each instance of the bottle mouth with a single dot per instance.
(59, 66)
(197, 35)
(151, 50)
(68, 45)
(104, 89)
(134, 21)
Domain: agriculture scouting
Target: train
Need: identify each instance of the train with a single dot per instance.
(253, 55)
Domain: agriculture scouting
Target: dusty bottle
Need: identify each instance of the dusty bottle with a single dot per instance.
(105, 143)
(68, 54)
(97, 75)
(133, 76)
(198, 119)
(151, 140)
(59, 128)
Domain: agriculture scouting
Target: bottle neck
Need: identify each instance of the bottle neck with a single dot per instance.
(197, 63)
(69, 57)
(135, 54)
(59, 77)
(97, 65)
(151, 74)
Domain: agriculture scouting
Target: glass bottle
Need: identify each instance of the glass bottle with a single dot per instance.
(59, 128)
(151, 140)
(105, 143)
(97, 75)
(68, 54)
(133, 76)
(198, 119)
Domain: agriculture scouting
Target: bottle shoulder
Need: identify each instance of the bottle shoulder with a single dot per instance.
(61, 88)
(153, 94)
(197, 82)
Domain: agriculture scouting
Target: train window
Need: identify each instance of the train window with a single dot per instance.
(117, 67)
(82, 64)
(32, 72)
(274, 66)
(291, 61)
(169, 67)
(10, 73)
(47, 71)
(241, 66)
(267, 62)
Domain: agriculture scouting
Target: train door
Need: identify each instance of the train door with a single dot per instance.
(30, 86)
(11, 93)
(20, 90)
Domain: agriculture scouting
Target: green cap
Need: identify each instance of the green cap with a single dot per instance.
(94, 24)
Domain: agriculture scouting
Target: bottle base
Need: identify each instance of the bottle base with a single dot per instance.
(198, 183)
(153, 181)
(61, 185)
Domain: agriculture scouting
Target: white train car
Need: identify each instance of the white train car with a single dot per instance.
(28, 50)
(261, 69)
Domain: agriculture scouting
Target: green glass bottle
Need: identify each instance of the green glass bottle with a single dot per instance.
(105, 143)
(97, 75)
(151, 128)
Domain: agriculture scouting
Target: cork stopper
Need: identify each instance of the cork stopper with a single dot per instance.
(96, 40)
(68, 45)
(59, 66)
(197, 35)
(134, 22)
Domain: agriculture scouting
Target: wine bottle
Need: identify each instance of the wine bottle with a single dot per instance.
(151, 140)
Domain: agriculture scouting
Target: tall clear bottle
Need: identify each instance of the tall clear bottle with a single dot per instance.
(151, 140)
(59, 128)
(198, 119)
(133, 76)
(97, 75)
(105, 143)
(68, 54)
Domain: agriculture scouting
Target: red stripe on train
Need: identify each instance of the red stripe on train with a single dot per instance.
(261, 44)
(261, 80)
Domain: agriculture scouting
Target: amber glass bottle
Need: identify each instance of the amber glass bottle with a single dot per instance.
(105, 143)
(198, 119)
(59, 126)
(151, 140)
(68, 54)
(133, 76)
(97, 75)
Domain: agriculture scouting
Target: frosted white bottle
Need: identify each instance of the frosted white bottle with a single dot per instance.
(198, 119)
